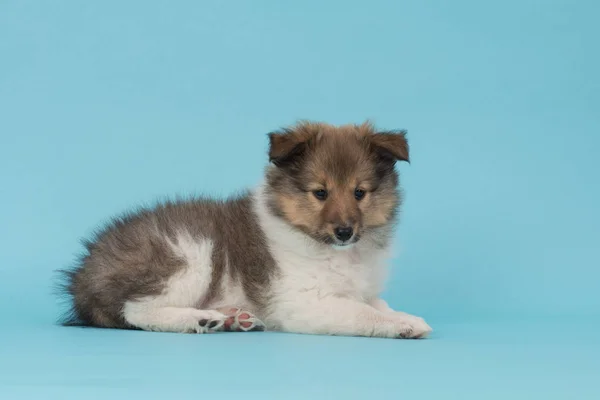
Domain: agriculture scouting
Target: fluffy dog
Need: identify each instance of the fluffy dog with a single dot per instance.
(305, 252)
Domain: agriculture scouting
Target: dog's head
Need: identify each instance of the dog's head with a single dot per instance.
(335, 184)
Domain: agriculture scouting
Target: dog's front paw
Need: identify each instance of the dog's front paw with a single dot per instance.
(411, 327)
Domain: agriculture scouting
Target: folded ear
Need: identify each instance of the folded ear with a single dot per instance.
(287, 145)
(391, 145)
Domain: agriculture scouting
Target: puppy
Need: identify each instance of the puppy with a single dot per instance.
(304, 253)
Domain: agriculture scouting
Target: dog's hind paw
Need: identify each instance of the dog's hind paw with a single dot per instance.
(239, 320)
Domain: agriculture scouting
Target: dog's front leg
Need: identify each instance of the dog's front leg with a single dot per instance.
(382, 306)
(345, 317)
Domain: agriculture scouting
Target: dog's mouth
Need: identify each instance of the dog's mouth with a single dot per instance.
(343, 246)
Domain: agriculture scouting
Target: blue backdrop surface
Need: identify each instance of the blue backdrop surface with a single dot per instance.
(107, 105)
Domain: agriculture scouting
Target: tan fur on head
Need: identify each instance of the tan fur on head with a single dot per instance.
(312, 159)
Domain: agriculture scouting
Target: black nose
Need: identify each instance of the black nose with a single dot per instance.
(343, 233)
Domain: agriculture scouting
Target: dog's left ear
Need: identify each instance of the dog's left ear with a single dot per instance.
(390, 145)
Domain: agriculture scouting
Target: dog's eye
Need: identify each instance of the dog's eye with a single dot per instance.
(359, 194)
(320, 194)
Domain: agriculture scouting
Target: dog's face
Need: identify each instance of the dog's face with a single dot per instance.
(335, 184)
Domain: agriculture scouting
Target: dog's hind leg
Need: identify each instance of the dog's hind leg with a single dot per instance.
(173, 319)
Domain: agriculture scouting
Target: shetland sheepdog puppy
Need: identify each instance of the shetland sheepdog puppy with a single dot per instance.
(305, 252)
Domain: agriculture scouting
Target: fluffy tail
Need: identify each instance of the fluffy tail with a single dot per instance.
(64, 291)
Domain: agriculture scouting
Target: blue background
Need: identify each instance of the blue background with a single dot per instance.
(106, 105)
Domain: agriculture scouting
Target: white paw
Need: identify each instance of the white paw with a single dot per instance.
(207, 321)
(410, 327)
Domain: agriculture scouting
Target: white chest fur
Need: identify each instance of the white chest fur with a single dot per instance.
(347, 273)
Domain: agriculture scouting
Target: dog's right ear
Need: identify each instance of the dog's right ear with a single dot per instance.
(287, 145)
